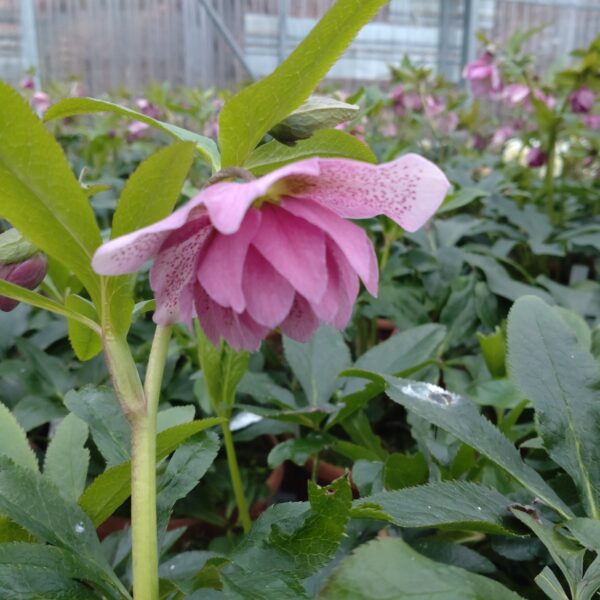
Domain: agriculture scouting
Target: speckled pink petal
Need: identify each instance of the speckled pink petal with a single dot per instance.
(295, 248)
(221, 266)
(408, 190)
(350, 238)
(126, 254)
(227, 202)
(174, 269)
(269, 296)
(217, 322)
(302, 322)
(335, 308)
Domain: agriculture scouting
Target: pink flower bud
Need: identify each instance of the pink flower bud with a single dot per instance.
(582, 100)
(27, 83)
(536, 157)
(40, 101)
(28, 274)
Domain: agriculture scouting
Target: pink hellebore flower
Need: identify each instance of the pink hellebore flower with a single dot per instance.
(136, 130)
(582, 100)
(592, 121)
(519, 93)
(146, 107)
(28, 274)
(276, 251)
(483, 75)
(40, 101)
(27, 83)
(536, 157)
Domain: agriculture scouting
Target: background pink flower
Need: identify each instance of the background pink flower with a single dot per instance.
(276, 251)
(28, 274)
(483, 75)
(582, 100)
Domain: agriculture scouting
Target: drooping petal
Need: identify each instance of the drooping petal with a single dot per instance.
(335, 308)
(302, 322)
(126, 254)
(408, 190)
(349, 237)
(221, 267)
(239, 331)
(269, 296)
(227, 202)
(295, 248)
(174, 269)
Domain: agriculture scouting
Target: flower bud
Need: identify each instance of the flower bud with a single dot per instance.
(28, 274)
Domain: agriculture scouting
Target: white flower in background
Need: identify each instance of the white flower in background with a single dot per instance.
(515, 150)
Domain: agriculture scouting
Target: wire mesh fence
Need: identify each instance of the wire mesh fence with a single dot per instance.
(112, 43)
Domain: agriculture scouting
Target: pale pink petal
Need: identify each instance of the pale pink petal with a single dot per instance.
(302, 322)
(227, 202)
(295, 248)
(335, 308)
(408, 190)
(350, 238)
(126, 254)
(221, 267)
(269, 296)
(174, 270)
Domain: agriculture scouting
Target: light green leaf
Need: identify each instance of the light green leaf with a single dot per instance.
(85, 342)
(548, 582)
(317, 112)
(562, 381)
(450, 504)
(14, 247)
(252, 112)
(298, 450)
(461, 198)
(153, 189)
(317, 363)
(83, 106)
(67, 459)
(328, 143)
(39, 194)
(13, 441)
(460, 417)
(108, 491)
(388, 568)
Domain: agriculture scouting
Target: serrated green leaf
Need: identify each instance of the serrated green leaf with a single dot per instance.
(562, 381)
(13, 441)
(30, 569)
(247, 116)
(317, 363)
(450, 504)
(108, 491)
(327, 143)
(460, 417)
(39, 194)
(388, 568)
(71, 107)
(85, 342)
(99, 408)
(67, 460)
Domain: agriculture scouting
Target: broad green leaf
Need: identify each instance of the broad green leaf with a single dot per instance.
(460, 417)
(388, 568)
(239, 584)
(85, 342)
(83, 106)
(67, 459)
(404, 471)
(99, 408)
(13, 441)
(108, 491)
(299, 450)
(40, 571)
(450, 504)
(548, 582)
(328, 143)
(316, 113)
(562, 381)
(461, 198)
(153, 189)
(247, 116)
(39, 194)
(317, 363)
(186, 467)
(586, 532)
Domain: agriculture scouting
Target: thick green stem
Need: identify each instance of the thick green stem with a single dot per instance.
(236, 479)
(140, 405)
(549, 178)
